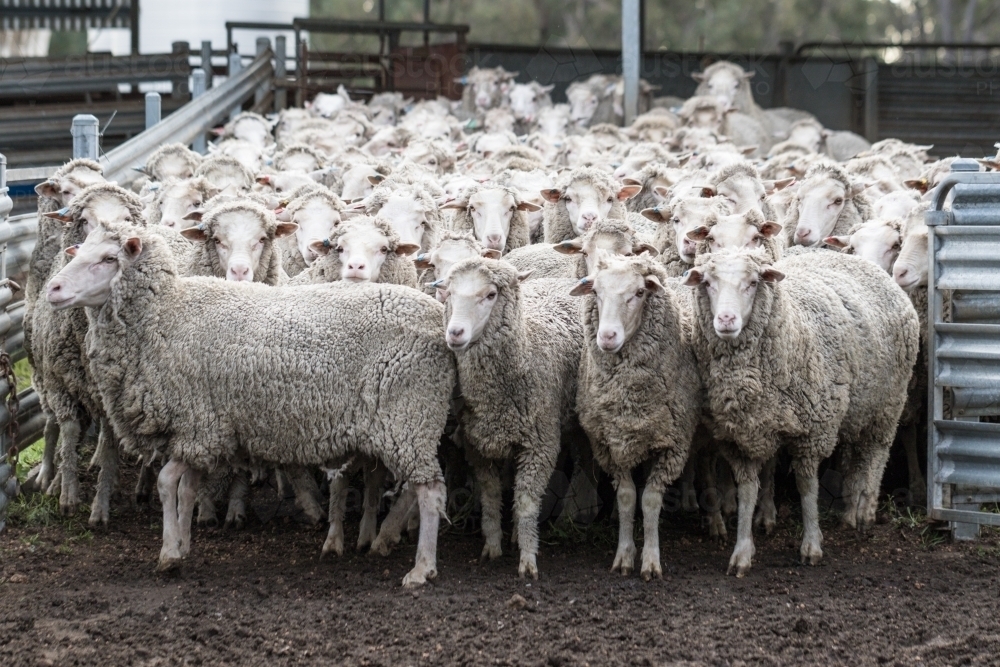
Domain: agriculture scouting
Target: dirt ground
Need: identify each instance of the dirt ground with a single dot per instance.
(900, 596)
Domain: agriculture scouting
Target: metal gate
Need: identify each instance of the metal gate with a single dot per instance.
(964, 349)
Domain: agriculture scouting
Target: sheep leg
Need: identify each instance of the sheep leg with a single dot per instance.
(210, 494)
(307, 495)
(236, 510)
(491, 500)
(392, 528)
(413, 523)
(689, 495)
(338, 507)
(72, 436)
(431, 501)
(40, 477)
(728, 493)
(807, 481)
(864, 475)
(187, 493)
(918, 485)
(107, 478)
(533, 474)
(706, 463)
(625, 557)
(747, 481)
(144, 485)
(666, 469)
(166, 483)
(374, 479)
(767, 513)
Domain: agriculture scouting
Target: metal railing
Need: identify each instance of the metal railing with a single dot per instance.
(963, 455)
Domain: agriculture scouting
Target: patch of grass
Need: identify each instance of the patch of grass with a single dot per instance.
(36, 510)
(29, 458)
(914, 520)
(22, 371)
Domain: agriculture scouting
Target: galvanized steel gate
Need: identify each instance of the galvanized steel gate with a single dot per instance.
(964, 359)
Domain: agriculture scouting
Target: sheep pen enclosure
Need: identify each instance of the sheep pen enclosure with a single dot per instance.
(349, 360)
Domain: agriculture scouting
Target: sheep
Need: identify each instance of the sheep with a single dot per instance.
(487, 143)
(877, 241)
(827, 342)
(452, 248)
(583, 197)
(298, 157)
(657, 181)
(485, 88)
(386, 108)
(361, 178)
(576, 151)
(175, 199)
(689, 139)
(363, 249)
(530, 158)
(741, 230)
(171, 161)
(527, 100)
(517, 348)
(435, 154)
(249, 154)
(249, 126)
(638, 393)
(827, 203)
(226, 173)
(676, 220)
(742, 186)
(236, 241)
(146, 321)
(327, 105)
(655, 126)
(808, 133)
(642, 155)
(494, 214)
(410, 209)
(387, 140)
(878, 172)
(288, 121)
(529, 186)
(842, 145)
(933, 173)
(499, 120)
(282, 182)
(316, 211)
(895, 204)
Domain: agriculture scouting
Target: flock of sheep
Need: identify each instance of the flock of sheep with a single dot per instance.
(378, 287)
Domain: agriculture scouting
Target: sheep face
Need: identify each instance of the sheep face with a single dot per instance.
(583, 103)
(877, 241)
(723, 83)
(526, 99)
(731, 281)
(104, 208)
(172, 165)
(469, 299)
(735, 231)
(621, 290)
(327, 105)
(359, 181)
(742, 192)
(450, 252)
(423, 153)
(807, 134)
(385, 141)
(554, 121)
(820, 204)
(491, 142)
(602, 243)
(910, 269)
(87, 279)
(407, 216)
(178, 199)
(300, 161)
(239, 237)
(283, 181)
(231, 178)
(635, 161)
(587, 202)
(253, 130)
(715, 160)
(895, 205)
(686, 215)
(488, 86)
(248, 154)
(695, 138)
(491, 211)
(65, 188)
(362, 251)
(316, 219)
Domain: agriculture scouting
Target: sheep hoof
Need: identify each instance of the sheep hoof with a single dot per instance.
(208, 522)
(98, 517)
(380, 547)
(527, 567)
(418, 576)
(490, 552)
(68, 507)
(624, 560)
(332, 548)
(811, 554)
(168, 564)
(741, 560)
(235, 522)
(650, 570)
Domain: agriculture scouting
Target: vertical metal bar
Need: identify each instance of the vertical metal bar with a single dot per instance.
(301, 69)
(9, 488)
(153, 109)
(199, 83)
(871, 100)
(280, 74)
(179, 90)
(263, 46)
(206, 62)
(235, 65)
(631, 53)
(133, 19)
(427, 19)
(85, 131)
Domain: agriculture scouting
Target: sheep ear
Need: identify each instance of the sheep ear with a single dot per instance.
(770, 228)
(698, 76)
(628, 191)
(746, 150)
(770, 187)
(265, 179)
(132, 247)
(653, 284)
(573, 247)
(770, 275)
(423, 262)
(631, 181)
(375, 179)
(662, 192)
(640, 248)
(404, 249)
(491, 253)
(523, 275)
(858, 187)
(194, 234)
(71, 251)
(320, 247)
(47, 188)
(699, 233)
(282, 214)
(195, 215)
(454, 203)
(683, 158)
(285, 229)
(585, 286)
(692, 277)
(748, 75)
(62, 215)
(921, 185)
(653, 214)
(528, 206)
(706, 190)
(551, 195)
(837, 241)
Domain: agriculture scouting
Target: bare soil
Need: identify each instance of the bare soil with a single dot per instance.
(261, 596)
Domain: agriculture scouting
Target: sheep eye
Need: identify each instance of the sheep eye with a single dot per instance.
(610, 199)
(675, 220)
(339, 249)
(838, 201)
(491, 296)
(109, 259)
(753, 283)
(384, 250)
(262, 239)
(897, 245)
(640, 292)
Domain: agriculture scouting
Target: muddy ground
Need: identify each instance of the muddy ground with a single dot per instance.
(900, 596)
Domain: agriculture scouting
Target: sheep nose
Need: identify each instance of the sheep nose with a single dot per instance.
(493, 242)
(608, 338)
(240, 273)
(456, 333)
(726, 319)
(356, 266)
(802, 234)
(900, 273)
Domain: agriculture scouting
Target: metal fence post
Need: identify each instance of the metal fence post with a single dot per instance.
(631, 57)
(199, 83)
(263, 46)
(179, 89)
(153, 109)
(8, 474)
(280, 93)
(235, 65)
(206, 62)
(85, 136)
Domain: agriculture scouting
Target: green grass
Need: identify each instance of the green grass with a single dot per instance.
(31, 453)
(915, 520)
